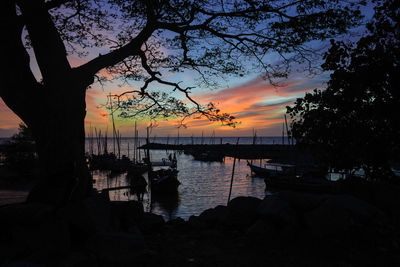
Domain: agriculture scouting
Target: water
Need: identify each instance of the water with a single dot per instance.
(203, 184)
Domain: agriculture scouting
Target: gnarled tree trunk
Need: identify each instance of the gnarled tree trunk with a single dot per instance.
(54, 108)
(60, 140)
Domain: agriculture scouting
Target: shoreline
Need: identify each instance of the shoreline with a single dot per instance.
(286, 229)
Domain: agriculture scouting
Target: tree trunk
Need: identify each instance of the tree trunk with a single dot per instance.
(54, 108)
(60, 140)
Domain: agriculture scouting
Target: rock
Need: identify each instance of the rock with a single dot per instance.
(195, 223)
(115, 247)
(177, 222)
(151, 222)
(25, 214)
(262, 229)
(87, 217)
(241, 212)
(99, 211)
(211, 234)
(213, 216)
(302, 202)
(209, 250)
(244, 204)
(277, 210)
(337, 214)
(126, 214)
(51, 239)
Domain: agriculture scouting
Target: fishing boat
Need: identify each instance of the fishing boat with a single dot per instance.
(284, 176)
(164, 180)
(271, 169)
(205, 155)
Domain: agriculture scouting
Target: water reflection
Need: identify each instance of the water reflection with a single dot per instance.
(203, 185)
(165, 204)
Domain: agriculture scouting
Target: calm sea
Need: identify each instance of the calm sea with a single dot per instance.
(203, 184)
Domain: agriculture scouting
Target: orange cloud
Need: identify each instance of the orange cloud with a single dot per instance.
(8, 120)
(256, 104)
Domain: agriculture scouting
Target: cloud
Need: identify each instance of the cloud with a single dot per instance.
(258, 104)
(255, 103)
(8, 120)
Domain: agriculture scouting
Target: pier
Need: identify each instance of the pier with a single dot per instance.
(240, 151)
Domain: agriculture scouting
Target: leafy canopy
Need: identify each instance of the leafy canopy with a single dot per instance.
(353, 123)
(150, 40)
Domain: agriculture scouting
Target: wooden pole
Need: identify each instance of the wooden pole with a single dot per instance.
(287, 130)
(233, 171)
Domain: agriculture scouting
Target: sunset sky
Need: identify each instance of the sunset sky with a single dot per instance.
(254, 102)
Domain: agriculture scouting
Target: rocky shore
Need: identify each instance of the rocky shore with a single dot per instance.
(285, 229)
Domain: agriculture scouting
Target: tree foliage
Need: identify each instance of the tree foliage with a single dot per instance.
(20, 151)
(353, 123)
(148, 40)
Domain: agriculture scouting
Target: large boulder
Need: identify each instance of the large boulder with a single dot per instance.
(151, 222)
(262, 229)
(87, 217)
(98, 208)
(302, 202)
(276, 209)
(114, 248)
(32, 230)
(338, 214)
(241, 212)
(126, 214)
(213, 216)
(25, 214)
(43, 242)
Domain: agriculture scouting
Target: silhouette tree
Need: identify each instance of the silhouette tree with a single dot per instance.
(353, 124)
(19, 151)
(140, 40)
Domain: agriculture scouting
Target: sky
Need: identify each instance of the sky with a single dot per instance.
(256, 104)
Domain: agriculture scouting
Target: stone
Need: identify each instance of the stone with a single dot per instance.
(99, 211)
(244, 204)
(302, 202)
(151, 222)
(51, 239)
(195, 223)
(262, 229)
(241, 212)
(337, 214)
(276, 209)
(25, 214)
(125, 214)
(115, 247)
(213, 216)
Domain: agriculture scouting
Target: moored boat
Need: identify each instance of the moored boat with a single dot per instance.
(164, 180)
(271, 169)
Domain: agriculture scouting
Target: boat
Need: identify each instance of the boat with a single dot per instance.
(284, 176)
(206, 155)
(164, 180)
(271, 169)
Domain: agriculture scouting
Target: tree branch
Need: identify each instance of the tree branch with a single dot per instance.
(131, 49)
